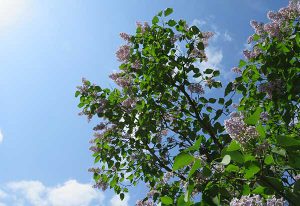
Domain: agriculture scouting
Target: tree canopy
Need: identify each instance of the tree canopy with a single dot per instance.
(175, 126)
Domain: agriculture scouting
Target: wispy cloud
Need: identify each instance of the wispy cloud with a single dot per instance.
(35, 193)
(1, 140)
(12, 11)
(116, 201)
(227, 36)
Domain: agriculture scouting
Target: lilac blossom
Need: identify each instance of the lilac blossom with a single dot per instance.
(144, 203)
(238, 130)
(271, 88)
(196, 88)
(264, 116)
(128, 103)
(236, 70)
(275, 202)
(272, 29)
(297, 177)
(123, 82)
(125, 36)
(257, 26)
(100, 126)
(252, 54)
(114, 76)
(123, 53)
(255, 200)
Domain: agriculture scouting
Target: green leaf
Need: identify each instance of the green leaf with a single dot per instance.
(232, 168)
(261, 131)
(253, 119)
(274, 182)
(228, 88)
(77, 93)
(269, 160)
(216, 200)
(287, 141)
(122, 196)
(182, 160)
(259, 190)
(279, 151)
(155, 20)
(226, 160)
(168, 11)
(97, 159)
(196, 166)
(251, 171)
(246, 190)
(233, 146)
(242, 63)
(196, 145)
(208, 71)
(166, 200)
(171, 22)
(236, 156)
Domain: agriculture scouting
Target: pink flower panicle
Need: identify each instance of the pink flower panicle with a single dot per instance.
(123, 82)
(143, 26)
(114, 76)
(236, 70)
(238, 130)
(128, 103)
(247, 200)
(274, 201)
(125, 36)
(196, 88)
(297, 177)
(264, 116)
(252, 54)
(123, 53)
(144, 203)
(257, 26)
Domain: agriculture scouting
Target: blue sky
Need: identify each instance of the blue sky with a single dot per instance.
(47, 46)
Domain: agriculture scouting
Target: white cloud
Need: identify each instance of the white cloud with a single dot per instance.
(1, 136)
(2, 194)
(214, 56)
(11, 11)
(227, 37)
(199, 22)
(70, 193)
(116, 201)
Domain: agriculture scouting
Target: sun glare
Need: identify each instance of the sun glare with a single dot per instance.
(11, 12)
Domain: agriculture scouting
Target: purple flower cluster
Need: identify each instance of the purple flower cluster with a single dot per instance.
(297, 177)
(128, 103)
(256, 200)
(271, 88)
(123, 82)
(264, 116)
(275, 202)
(196, 88)
(144, 203)
(276, 28)
(252, 54)
(125, 36)
(238, 130)
(143, 26)
(100, 126)
(236, 70)
(123, 53)
(257, 26)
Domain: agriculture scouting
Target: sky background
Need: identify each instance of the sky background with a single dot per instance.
(46, 47)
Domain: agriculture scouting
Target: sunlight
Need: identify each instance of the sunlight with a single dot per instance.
(11, 11)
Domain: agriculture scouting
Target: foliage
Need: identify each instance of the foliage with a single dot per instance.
(164, 125)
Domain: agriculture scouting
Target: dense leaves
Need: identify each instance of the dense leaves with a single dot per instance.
(164, 124)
